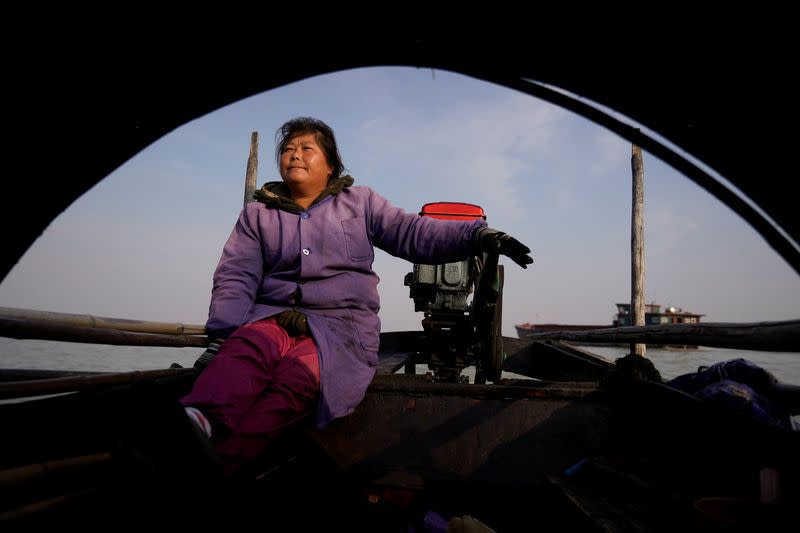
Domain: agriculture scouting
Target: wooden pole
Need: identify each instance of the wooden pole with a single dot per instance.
(637, 245)
(42, 387)
(252, 169)
(15, 517)
(781, 336)
(101, 322)
(26, 476)
(20, 328)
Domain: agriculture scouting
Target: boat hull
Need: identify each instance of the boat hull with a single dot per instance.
(517, 454)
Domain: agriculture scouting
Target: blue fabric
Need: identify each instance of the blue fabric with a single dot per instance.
(739, 385)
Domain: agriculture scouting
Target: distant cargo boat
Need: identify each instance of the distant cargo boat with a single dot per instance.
(653, 315)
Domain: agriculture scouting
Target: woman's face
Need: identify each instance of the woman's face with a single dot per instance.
(303, 164)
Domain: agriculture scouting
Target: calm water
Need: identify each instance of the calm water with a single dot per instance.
(52, 355)
(672, 363)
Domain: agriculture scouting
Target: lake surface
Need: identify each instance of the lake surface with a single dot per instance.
(54, 355)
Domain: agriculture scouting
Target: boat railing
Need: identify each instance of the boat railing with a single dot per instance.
(18, 323)
(26, 324)
(66, 327)
(29, 324)
(772, 336)
(775, 336)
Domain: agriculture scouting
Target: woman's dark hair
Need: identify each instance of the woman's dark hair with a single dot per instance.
(322, 133)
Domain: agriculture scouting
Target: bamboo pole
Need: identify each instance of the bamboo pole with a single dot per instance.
(31, 329)
(51, 480)
(27, 475)
(28, 374)
(41, 387)
(252, 169)
(13, 517)
(637, 246)
(100, 322)
(780, 336)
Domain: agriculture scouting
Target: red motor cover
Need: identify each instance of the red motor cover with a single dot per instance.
(452, 211)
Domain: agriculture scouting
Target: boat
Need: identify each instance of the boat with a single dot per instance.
(529, 328)
(653, 315)
(584, 444)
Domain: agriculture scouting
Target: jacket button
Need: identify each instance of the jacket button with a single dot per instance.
(306, 251)
(304, 215)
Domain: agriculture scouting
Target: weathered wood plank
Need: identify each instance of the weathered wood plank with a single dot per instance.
(389, 363)
(23, 389)
(101, 322)
(780, 336)
(20, 328)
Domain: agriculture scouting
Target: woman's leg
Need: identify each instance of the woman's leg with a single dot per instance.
(261, 381)
(291, 397)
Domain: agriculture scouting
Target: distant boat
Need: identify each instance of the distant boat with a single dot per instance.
(526, 329)
(653, 315)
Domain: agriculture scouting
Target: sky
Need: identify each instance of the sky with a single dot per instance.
(144, 242)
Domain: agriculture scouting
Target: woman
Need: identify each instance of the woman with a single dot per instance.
(294, 304)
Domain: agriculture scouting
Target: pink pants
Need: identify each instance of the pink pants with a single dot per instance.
(261, 382)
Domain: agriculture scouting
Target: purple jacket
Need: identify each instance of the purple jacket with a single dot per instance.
(320, 261)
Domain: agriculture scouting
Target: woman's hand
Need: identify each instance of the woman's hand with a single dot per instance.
(490, 240)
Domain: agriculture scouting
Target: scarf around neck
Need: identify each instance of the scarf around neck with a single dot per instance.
(276, 194)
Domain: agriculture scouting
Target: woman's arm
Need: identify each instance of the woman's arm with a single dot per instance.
(417, 238)
(237, 276)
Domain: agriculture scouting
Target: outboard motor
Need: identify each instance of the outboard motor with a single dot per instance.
(459, 331)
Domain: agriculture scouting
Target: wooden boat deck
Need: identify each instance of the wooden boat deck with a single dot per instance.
(568, 449)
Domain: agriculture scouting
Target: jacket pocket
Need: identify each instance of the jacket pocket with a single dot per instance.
(356, 240)
(368, 337)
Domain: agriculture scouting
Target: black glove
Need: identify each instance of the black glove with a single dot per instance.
(487, 240)
(293, 321)
(206, 357)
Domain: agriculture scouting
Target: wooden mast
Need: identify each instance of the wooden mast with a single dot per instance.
(252, 169)
(637, 245)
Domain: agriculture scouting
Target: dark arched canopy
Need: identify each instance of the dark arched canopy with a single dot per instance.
(77, 111)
